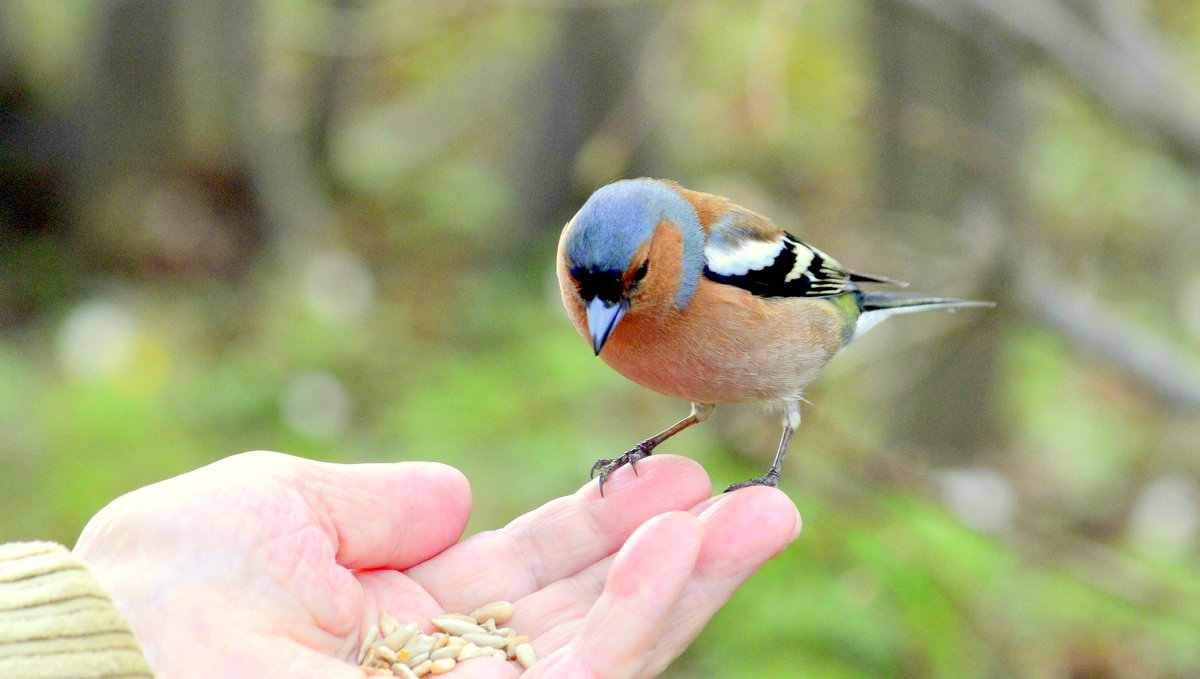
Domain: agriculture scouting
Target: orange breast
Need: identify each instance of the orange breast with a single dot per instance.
(728, 346)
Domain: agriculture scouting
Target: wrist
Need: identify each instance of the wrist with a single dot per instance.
(57, 619)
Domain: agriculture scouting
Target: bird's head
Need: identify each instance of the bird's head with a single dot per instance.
(633, 244)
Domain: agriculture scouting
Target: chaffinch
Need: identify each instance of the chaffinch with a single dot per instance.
(695, 297)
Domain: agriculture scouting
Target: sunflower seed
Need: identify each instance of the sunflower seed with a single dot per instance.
(398, 638)
(500, 611)
(368, 640)
(524, 655)
(492, 640)
(387, 624)
(419, 643)
(392, 649)
(455, 625)
(470, 650)
(384, 653)
(511, 649)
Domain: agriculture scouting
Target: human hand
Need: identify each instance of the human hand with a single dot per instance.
(267, 565)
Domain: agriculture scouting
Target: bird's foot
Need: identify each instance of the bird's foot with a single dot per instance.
(606, 467)
(771, 479)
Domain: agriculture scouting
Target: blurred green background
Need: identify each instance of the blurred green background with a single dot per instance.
(327, 228)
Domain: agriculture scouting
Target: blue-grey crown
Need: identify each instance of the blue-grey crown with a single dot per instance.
(619, 218)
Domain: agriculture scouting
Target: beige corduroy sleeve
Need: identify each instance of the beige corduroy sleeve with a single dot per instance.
(57, 622)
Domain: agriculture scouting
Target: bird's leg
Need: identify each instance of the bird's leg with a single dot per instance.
(700, 412)
(791, 420)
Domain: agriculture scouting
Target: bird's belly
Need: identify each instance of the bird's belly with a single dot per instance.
(746, 359)
(693, 378)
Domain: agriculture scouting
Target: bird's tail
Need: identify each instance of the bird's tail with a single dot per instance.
(877, 306)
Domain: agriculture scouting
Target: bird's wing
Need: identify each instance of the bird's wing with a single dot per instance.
(749, 251)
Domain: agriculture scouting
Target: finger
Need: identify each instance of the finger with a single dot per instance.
(643, 586)
(484, 667)
(302, 662)
(394, 593)
(552, 614)
(756, 516)
(387, 515)
(742, 531)
(562, 537)
(262, 656)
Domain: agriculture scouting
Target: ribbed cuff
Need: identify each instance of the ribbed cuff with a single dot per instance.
(57, 622)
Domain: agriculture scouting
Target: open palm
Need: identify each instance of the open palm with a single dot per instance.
(267, 565)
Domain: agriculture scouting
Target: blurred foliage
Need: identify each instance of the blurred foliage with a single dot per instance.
(328, 229)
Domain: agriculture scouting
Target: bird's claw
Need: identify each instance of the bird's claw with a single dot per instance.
(771, 479)
(606, 467)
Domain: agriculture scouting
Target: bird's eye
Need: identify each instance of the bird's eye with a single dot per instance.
(641, 272)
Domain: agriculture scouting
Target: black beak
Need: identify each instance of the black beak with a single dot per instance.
(602, 317)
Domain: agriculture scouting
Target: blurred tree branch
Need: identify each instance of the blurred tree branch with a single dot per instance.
(1119, 62)
(133, 118)
(949, 125)
(574, 96)
(287, 161)
(1158, 365)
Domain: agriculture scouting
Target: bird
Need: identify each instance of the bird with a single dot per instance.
(695, 297)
